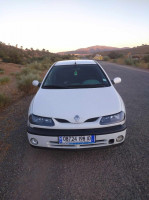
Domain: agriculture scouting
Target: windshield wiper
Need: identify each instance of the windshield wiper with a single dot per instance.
(86, 86)
(73, 86)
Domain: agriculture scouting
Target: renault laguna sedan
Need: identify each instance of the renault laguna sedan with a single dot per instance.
(76, 107)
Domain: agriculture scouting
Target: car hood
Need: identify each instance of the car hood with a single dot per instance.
(67, 103)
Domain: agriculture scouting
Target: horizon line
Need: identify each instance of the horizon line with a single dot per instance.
(40, 49)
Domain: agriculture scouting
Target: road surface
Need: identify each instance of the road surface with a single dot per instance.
(113, 173)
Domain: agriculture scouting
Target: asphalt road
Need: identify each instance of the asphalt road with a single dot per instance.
(113, 173)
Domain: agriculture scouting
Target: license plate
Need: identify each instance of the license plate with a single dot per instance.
(72, 140)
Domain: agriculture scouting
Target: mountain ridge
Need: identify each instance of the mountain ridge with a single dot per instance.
(91, 50)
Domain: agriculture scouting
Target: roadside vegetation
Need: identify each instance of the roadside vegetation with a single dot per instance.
(1, 71)
(4, 100)
(33, 71)
(136, 56)
(11, 54)
(4, 80)
(24, 83)
(137, 61)
(19, 67)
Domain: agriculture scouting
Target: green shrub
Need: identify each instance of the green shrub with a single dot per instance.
(13, 73)
(114, 55)
(24, 83)
(46, 62)
(26, 71)
(33, 68)
(136, 62)
(34, 65)
(1, 71)
(38, 66)
(4, 100)
(129, 61)
(6, 58)
(4, 80)
(146, 58)
(106, 58)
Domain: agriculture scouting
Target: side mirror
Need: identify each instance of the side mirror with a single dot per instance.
(36, 83)
(116, 80)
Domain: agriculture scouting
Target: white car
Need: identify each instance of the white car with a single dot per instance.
(76, 107)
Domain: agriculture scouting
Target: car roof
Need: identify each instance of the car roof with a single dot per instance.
(75, 62)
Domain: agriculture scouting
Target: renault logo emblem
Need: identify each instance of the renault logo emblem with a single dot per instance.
(77, 118)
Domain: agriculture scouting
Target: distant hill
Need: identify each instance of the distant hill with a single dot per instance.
(91, 50)
(139, 50)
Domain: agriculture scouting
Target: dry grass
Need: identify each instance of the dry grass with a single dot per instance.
(24, 83)
(1, 71)
(4, 80)
(4, 100)
(8, 88)
(131, 62)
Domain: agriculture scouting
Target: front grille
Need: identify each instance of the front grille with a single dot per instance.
(66, 121)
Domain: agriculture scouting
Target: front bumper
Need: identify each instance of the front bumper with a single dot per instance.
(50, 138)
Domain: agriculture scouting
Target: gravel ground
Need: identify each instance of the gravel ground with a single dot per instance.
(113, 173)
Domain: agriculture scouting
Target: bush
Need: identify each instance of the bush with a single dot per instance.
(128, 61)
(4, 100)
(47, 61)
(106, 58)
(33, 68)
(13, 57)
(1, 71)
(13, 73)
(39, 66)
(24, 83)
(115, 55)
(4, 80)
(27, 71)
(35, 65)
(146, 59)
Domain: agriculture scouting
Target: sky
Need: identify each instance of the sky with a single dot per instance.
(63, 25)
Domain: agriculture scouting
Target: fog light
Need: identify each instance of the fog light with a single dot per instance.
(120, 138)
(34, 141)
(111, 141)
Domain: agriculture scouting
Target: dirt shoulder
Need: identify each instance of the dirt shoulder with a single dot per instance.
(10, 119)
(10, 88)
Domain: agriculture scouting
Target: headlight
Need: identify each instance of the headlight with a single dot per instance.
(111, 119)
(42, 121)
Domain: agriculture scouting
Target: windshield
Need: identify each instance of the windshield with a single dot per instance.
(75, 76)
